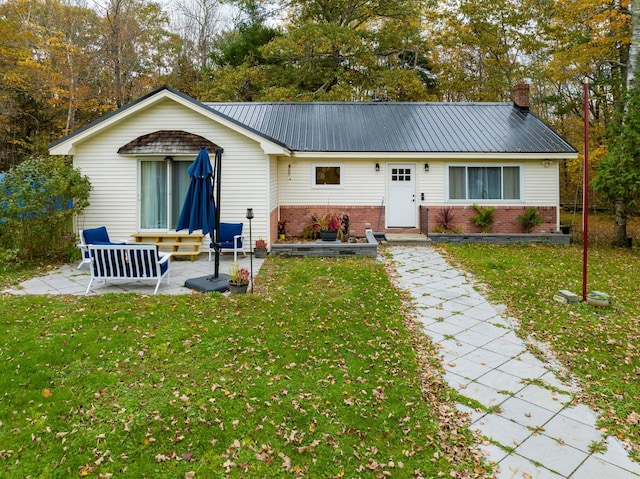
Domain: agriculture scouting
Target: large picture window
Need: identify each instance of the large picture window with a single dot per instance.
(484, 183)
(326, 175)
(163, 188)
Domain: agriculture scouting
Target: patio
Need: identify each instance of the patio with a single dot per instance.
(70, 280)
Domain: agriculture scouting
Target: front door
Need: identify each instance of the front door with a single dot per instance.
(401, 204)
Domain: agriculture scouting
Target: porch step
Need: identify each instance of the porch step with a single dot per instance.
(413, 239)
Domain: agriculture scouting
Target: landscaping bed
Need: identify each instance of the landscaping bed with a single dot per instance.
(494, 238)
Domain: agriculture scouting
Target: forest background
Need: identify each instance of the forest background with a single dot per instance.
(66, 63)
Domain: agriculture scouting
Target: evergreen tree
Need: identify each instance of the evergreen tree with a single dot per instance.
(618, 177)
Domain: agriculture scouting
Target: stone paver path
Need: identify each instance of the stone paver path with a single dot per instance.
(535, 430)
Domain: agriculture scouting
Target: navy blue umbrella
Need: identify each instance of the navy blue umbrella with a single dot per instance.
(198, 210)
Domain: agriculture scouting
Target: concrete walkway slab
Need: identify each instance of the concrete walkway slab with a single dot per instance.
(533, 429)
(70, 280)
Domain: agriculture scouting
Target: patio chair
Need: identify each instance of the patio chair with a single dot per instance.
(231, 239)
(97, 236)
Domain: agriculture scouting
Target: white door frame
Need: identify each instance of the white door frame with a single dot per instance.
(402, 207)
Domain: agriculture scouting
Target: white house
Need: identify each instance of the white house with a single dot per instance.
(391, 165)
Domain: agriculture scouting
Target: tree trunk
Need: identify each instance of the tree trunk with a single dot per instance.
(620, 225)
(634, 47)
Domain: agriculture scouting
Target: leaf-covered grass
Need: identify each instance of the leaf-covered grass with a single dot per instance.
(599, 346)
(319, 374)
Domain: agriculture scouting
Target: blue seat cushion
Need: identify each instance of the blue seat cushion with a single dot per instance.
(96, 235)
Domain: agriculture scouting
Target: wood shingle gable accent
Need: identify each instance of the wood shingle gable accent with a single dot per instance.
(167, 142)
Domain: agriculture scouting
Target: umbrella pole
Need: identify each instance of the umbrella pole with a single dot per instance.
(217, 171)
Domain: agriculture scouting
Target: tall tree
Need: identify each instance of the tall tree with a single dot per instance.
(618, 176)
(484, 47)
(134, 36)
(585, 38)
(338, 50)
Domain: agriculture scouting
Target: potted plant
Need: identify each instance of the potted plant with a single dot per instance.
(260, 251)
(281, 229)
(238, 279)
(328, 225)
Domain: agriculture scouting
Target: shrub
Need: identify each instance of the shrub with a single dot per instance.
(484, 217)
(38, 200)
(445, 219)
(529, 219)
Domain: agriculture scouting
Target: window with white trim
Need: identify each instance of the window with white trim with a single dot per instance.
(326, 175)
(484, 183)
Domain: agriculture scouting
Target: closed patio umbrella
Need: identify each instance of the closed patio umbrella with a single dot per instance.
(201, 211)
(198, 209)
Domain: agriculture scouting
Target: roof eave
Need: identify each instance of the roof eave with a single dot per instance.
(66, 145)
(435, 155)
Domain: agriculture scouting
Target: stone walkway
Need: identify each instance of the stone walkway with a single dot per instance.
(535, 430)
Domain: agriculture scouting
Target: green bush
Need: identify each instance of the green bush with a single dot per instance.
(484, 218)
(529, 219)
(38, 200)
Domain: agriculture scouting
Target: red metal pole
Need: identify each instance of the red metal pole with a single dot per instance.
(585, 191)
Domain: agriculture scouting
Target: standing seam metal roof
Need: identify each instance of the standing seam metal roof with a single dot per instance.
(397, 127)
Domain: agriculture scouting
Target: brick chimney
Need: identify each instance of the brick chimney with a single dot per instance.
(521, 96)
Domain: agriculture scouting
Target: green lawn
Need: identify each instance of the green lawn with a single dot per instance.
(320, 374)
(599, 346)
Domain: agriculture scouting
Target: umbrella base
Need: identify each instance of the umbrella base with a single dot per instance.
(209, 284)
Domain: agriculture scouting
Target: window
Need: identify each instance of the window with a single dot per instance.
(484, 182)
(327, 175)
(400, 174)
(163, 188)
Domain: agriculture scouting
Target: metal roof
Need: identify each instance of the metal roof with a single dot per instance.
(397, 127)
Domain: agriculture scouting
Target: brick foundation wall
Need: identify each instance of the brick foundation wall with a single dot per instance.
(298, 217)
(359, 216)
(504, 219)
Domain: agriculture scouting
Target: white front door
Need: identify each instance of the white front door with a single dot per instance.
(401, 188)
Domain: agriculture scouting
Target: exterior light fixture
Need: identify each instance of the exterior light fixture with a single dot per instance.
(426, 167)
(289, 171)
(546, 163)
(377, 166)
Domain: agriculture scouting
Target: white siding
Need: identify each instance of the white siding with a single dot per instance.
(361, 184)
(539, 183)
(114, 198)
(273, 183)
